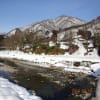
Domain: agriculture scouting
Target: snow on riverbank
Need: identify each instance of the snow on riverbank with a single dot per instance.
(57, 60)
(10, 91)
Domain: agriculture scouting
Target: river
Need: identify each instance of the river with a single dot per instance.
(48, 83)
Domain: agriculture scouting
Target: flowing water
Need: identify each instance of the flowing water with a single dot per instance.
(47, 82)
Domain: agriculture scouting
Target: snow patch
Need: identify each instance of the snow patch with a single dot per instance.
(10, 91)
(63, 46)
(51, 44)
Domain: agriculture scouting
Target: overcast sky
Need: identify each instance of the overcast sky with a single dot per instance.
(16, 13)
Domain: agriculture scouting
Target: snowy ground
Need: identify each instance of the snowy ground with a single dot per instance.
(10, 91)
(57, 61)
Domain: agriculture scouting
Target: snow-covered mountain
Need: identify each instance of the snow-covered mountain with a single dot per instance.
(62, 25)
(92, 26)
(50, 25)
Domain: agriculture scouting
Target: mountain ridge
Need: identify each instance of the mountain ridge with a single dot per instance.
(52, 24)
(59, 24)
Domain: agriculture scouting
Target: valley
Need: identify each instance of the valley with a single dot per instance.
(58, 58)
